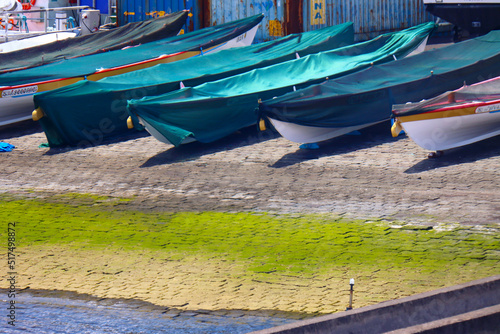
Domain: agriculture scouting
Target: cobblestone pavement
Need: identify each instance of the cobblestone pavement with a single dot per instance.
(366, 176)
(370, 175)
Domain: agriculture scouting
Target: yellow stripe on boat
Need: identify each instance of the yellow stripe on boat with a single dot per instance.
(438, 114)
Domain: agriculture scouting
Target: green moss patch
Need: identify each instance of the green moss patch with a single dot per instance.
(263, 244)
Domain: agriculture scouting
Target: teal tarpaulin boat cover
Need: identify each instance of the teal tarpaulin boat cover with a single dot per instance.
(76, 111)
(215, 109)
(82, 66)
(368, 96)
(128, 35)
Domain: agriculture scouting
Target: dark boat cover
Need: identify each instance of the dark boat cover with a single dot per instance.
(76, 110)
(128, 35)
(367, 96)
(216, 109)
(83, 66)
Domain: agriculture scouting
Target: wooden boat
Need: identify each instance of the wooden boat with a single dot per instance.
(216, 109)
(453, 119)
(69, 123)
(359, 100)
(17, 88)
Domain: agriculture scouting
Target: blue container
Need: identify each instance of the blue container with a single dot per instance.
(140, 10)
(102, 5)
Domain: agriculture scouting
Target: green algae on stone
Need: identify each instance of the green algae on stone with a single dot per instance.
(305, 244)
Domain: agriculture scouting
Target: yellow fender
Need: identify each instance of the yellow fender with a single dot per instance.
(262, 125)
(37, 114)
(130, 123)
(396, 128)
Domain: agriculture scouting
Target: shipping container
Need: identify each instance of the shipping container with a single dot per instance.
(140, 10)
(283, 17)
(370, 17)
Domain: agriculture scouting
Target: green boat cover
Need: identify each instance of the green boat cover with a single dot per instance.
(215, 109)
(128, 35)
(367, 96)
(76, 110)
(82, 66)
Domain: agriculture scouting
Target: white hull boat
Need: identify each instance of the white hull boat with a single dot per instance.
(311, 134)
(453, 119)
(27, 42)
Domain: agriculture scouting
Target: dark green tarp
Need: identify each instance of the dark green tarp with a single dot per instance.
(75, 111)
(130, 34)
(367, 96)
(213, 110)
(82, 66)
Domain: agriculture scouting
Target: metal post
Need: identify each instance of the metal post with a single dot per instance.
(351, 283)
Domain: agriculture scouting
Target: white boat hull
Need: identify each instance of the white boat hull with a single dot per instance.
(45, 38)
(15, 109)
(440, 134)
(158, 136)
(312, 134)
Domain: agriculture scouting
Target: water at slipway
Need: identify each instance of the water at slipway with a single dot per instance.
(45, 312)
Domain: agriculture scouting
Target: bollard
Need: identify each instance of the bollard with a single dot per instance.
(351, 283)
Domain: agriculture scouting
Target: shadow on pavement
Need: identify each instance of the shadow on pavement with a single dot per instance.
(131, 136)
(466, 154)
(368, 137)
(244, 137)
(19, 129)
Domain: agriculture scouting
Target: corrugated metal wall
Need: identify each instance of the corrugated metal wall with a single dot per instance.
(370, 17)
(222, 11)
(282, 17)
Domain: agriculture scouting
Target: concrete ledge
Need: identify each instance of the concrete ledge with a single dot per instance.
(403, 313)
(486, 320)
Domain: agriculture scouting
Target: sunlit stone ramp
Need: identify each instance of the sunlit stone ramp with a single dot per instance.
(470, 308)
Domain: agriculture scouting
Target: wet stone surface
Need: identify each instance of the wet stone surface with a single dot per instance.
(65, 312)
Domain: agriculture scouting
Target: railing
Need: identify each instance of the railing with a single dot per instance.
(23, 19)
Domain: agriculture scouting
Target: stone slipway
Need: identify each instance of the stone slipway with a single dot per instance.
(367, 176)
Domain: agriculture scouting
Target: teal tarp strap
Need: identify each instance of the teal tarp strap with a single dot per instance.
(24, 22)
(70, 23)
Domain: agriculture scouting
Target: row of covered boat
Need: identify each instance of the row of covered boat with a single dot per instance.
(216, 108)
(18, 87)
(311, 87)
(339, 106)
